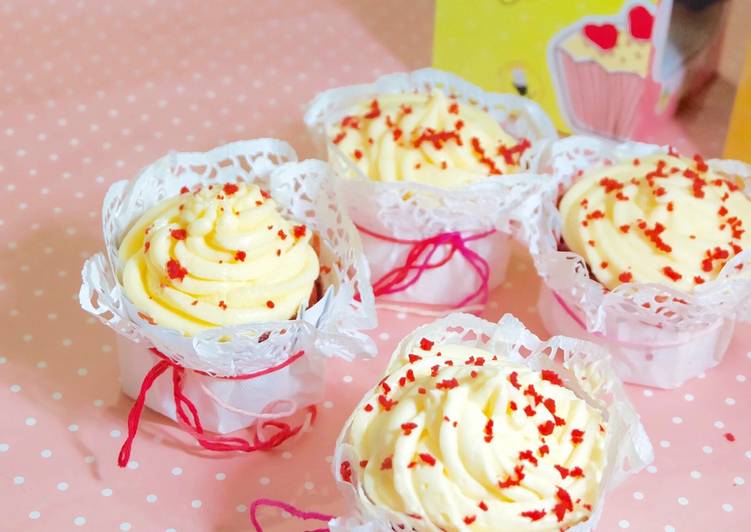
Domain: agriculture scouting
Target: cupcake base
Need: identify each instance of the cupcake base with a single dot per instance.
(224, 405)
(643, 354)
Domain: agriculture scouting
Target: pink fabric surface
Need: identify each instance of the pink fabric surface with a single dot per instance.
(90, 92)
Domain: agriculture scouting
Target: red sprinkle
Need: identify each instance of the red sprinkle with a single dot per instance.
(413, 358)
(240, 255)
(340, 137)
(529, 411)
(175, 270)
(425, 344)
(184, 190)
(375, 111)
(534, 515)
(729, 436)
(625, 277)
(577, 436)
(576, 472)
(427, 458)
(270, 304)
(546, 429)
(624, 228)
(552, 377)
(447, 384)
(513, 378)
(454, 108)
(408, 428)
(482, 506)
(281, 234)
(512, 405)
(230, 188)
(179, 234)
(345, 470)
(368, 408)
(299, 231)
(223, 305)
(358, 154)
(469, 519)
(565, 504)
(387, 463)
(562, 470)
(527, 455)
(511, 481)
(671, 273)
(363, 463)
(386, 403)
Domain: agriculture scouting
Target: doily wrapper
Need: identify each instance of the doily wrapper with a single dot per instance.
(220, 358)
(500, 205)
(586, 369)
(680, 335)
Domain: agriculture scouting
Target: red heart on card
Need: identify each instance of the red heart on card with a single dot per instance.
(640, 22)
(603, 35)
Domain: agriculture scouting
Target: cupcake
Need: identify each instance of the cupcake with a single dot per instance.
(651, 258)
(601, 70)
(470, 434)
(444, 165)
(218, 256)
(236, 271)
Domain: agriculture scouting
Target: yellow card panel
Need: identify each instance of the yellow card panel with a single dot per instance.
(738, 145)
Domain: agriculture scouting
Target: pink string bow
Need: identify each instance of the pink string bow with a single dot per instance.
(287, 508)
(192, 424)
(418, 262)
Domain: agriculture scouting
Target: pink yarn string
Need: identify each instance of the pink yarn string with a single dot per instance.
(192, 423)
(273, 503)
(574, 316)
(418, 261)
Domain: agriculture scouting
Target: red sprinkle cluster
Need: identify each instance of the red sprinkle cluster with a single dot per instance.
(179, 234)
(175, 270)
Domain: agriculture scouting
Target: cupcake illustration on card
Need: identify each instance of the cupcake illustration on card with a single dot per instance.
(601, 70)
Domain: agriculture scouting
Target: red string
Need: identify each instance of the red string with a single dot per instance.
(192, 423)
(419, 260)
(287, 508)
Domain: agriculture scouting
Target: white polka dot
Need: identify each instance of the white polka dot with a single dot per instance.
(729, 401)
(67, 342)
(241, 508)
(89, 459)
(623, 524)
(286, 455)
(151, 498)
(30, 421)
(34, 514)
(651, 469)
(98, 403)
(4, 447)
(177, 471)
(15, 388)
(46, 453)
(309, 485)
(82, 372)
(41, 364)
(115, 433)
(664, 444)
(125, 526)
(106, 492)
(719, 425)
(3, 360)
(669, 528)
(328, 404)
(648, 393)
(62, 486)
(638, 495)
(401, 316)
(740, 378)
(347, 378)
(677, 420)
(132, 464)
(73, 427)
(688, 397)
(695, 474)
(264, 481)
(79, 521)
(748, 455)
(727, 507)
(707, 449)
(57, 396)
(329, 459)
(18, 480)
(196, 503)
(384, 336)
(683, 501)
(739, 481)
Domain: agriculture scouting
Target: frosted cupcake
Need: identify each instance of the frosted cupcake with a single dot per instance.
(471, 435)
(443, 165)
(217, 256)
(653, 259)
(235, 271)
(601, 70)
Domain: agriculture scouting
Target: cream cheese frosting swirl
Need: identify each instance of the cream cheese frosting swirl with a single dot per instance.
(456, 438)
(662, 219)
(426, 138)
(216, 256)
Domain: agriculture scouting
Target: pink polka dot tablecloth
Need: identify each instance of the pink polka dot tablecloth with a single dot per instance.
(90, 92)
